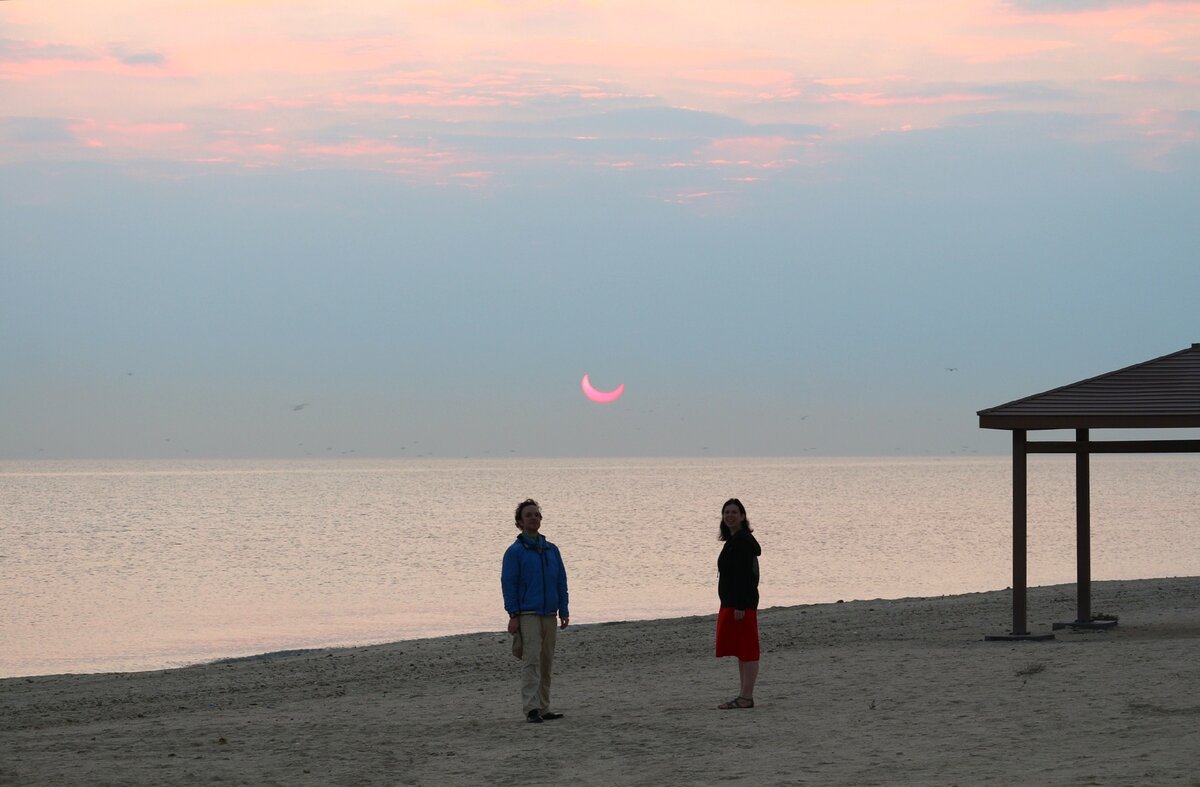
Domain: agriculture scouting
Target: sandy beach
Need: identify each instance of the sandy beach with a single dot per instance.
(864, 692)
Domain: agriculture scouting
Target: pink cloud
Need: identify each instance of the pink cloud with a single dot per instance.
(683, 197)
(774, 152)
(420, 100)
(140, 138)
(750, 77)
(360, 148)
(295, 60)
(430, 88)
(430, 78)
(427, 164)
(538, 60)
(980, 49)
(1149, 26)
(243, 151)
(147, 129)
(1161, 133)
(1115, 17)
(35, 69)
(883, 100)
(840, 81)
(273, 102)
(619, 55)
(1143, 36)
(38, 59)
(1152, 117)
(118, 140)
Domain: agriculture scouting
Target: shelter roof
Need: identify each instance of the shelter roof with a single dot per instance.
(1159, 393)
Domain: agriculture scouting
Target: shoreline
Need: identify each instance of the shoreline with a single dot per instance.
(299, 650)
(880, 691)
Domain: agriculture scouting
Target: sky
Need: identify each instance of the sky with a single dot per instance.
(250, 228)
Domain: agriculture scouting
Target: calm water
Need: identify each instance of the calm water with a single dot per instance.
(114, 566)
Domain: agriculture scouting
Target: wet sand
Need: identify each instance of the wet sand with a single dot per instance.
(876, 692)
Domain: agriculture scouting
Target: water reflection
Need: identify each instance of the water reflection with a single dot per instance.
(137, 565)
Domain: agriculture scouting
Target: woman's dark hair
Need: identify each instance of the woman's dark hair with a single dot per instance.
(526, 503)
(733, 501)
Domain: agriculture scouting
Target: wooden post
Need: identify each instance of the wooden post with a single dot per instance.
(1020, 628)
(1083, 527)
(1083, 539)
(1020, 475)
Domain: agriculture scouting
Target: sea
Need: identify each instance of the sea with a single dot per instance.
(116, 566)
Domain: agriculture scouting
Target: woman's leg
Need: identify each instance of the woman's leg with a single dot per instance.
(748, 672)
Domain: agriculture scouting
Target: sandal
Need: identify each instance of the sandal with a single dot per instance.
(737, 703)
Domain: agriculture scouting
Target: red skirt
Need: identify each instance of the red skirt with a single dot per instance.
(737, 637)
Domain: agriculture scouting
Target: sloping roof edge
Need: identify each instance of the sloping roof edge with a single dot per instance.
(1125, 403)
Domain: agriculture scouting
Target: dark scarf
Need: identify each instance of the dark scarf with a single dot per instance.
(537, 545)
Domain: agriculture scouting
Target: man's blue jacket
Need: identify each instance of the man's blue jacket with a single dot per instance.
(534, 578)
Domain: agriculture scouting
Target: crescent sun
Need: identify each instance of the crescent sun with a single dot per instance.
(601, 396)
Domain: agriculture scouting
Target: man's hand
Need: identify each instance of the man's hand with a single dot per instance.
(564, 622)
(514, 625)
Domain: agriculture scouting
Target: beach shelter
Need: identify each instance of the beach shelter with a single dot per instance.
(1162, 393)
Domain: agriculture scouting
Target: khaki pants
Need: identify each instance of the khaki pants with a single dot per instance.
(539, 633)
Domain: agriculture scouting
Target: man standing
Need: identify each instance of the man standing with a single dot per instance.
(534, 581)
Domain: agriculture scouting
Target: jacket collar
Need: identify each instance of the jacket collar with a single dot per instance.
(538, 543)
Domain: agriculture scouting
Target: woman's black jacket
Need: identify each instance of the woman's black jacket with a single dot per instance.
(738, 569)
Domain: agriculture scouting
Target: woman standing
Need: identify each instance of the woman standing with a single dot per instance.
(534, 582)
(737, 621)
